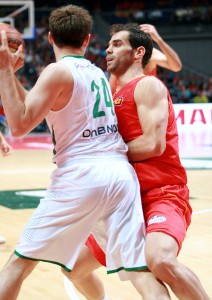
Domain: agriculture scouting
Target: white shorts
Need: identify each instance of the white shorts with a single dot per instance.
(93, 194)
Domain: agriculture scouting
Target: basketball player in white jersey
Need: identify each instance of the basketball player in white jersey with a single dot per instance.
(93, 187)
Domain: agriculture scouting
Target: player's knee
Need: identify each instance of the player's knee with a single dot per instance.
(23, 267)
(163, 268)
(77, 274)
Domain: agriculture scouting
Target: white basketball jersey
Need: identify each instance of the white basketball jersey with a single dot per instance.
(87, 124)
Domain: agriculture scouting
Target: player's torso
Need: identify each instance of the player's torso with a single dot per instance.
(157, 171)
(88, 122)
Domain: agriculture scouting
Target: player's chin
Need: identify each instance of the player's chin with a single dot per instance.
(109, 67)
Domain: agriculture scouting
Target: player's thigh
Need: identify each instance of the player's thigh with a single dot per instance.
(160, 247)
(85, 264)
(166, 210)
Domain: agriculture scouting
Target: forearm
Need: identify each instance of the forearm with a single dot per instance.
(21, 90)
(143, 148)
(172, 57)
(134, 154)
(13, 104)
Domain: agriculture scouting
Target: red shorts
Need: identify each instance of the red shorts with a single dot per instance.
(165, 210)
(168, 210)
(96, 250)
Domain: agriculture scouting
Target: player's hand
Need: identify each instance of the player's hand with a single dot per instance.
(6, 149)
(7, 58)
(151, 30)
(19, 54)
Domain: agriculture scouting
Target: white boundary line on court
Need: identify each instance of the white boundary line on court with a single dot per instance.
(198, 212)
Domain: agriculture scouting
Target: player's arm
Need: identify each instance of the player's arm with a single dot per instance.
(24, 111)
(17, 63)
(152, 106)
(5, 148)
(21, 90)
(25, 114)
(166, 57)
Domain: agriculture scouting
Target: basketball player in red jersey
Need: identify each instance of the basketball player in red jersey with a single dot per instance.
(147, 124)
(164, 57)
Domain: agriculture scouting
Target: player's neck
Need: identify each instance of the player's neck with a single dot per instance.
(68, 51)
(129, 75)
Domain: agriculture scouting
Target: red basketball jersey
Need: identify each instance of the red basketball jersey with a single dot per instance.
(153, 72)
(157, 171)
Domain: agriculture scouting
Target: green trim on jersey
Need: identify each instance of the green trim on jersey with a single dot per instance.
(49, 261)
(75, 56)
(128, 269)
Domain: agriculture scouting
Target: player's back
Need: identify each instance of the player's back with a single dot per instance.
(87, 124)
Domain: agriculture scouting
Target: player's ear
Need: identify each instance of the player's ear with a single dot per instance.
(140, 51)
(50, 38)
(86, 40)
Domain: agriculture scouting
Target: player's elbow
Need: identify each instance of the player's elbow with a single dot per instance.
(18, 131)
(159, 148)
(178, 67)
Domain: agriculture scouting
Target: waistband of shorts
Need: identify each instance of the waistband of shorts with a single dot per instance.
(95, 155)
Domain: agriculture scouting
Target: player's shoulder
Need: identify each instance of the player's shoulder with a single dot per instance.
(55, 66)
(150, 80)
(58, 71)
(51, 69)
(151, 84)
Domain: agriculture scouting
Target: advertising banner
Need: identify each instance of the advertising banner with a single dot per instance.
(194, 122)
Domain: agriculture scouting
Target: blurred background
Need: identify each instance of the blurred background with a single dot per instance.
(186, 25)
